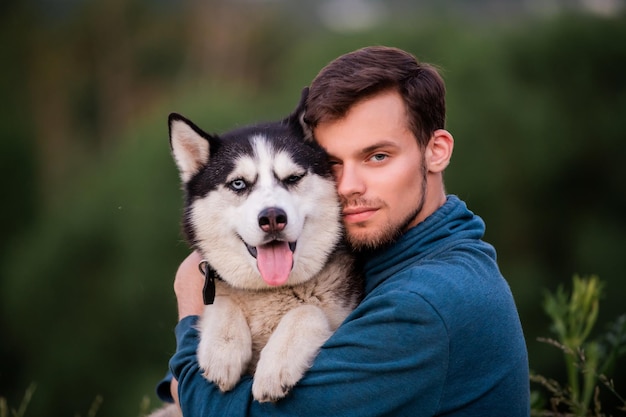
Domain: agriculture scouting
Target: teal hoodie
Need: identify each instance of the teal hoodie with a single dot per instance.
(437, 334)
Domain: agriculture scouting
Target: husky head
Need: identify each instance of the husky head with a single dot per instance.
(261, 204)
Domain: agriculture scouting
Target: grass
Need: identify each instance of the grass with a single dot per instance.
(21, 410)
(6, 411)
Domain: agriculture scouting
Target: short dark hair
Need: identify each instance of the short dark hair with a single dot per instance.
(365, 72)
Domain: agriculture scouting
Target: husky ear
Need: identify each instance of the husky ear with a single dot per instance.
(189, 144)
(296, 119)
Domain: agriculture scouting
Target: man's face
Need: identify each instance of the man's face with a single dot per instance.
(379, 169)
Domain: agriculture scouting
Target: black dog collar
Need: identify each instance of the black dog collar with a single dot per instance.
(208, 291)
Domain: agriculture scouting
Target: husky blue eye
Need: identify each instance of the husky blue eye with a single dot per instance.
(237, 185)
(293, 179)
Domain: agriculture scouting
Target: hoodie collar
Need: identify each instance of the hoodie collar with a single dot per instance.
(446, 226)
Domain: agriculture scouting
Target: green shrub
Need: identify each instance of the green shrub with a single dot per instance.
(588, 363)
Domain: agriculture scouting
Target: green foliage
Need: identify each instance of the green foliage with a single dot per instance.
(6, 411)
(573, 317)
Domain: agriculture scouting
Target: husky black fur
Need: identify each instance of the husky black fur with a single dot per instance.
(261, 207)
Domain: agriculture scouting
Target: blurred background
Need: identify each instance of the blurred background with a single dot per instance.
(91, 200)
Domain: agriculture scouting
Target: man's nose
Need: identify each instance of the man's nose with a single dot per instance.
(350, 181)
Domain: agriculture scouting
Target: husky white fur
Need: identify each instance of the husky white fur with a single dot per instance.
(261, 207)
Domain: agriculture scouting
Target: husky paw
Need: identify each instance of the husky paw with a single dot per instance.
(274, 386)
(225, 348)
(289, 352)
(224, 370)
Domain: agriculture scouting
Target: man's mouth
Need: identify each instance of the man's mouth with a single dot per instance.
(274, 260)
(358, 214)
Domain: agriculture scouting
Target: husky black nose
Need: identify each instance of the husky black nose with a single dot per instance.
(272, 219)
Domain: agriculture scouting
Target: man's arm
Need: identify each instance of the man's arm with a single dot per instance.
(167, 389)
(186, 288)
(389, 356)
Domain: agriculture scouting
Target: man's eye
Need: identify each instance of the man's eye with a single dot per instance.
(335, 167)
(333, 164)
(237, 185)
(379, 157)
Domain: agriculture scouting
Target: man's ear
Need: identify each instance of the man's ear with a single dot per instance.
(439, 151)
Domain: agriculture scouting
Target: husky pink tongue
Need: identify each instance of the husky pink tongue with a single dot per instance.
(274, 261)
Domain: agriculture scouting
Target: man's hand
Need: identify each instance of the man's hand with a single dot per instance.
(188, 286)
(174, 391)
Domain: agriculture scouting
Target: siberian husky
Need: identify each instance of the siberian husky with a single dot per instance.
(261, 207)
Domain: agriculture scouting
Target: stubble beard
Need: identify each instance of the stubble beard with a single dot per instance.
(388, 233)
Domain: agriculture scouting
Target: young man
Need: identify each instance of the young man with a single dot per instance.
(437, 333)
